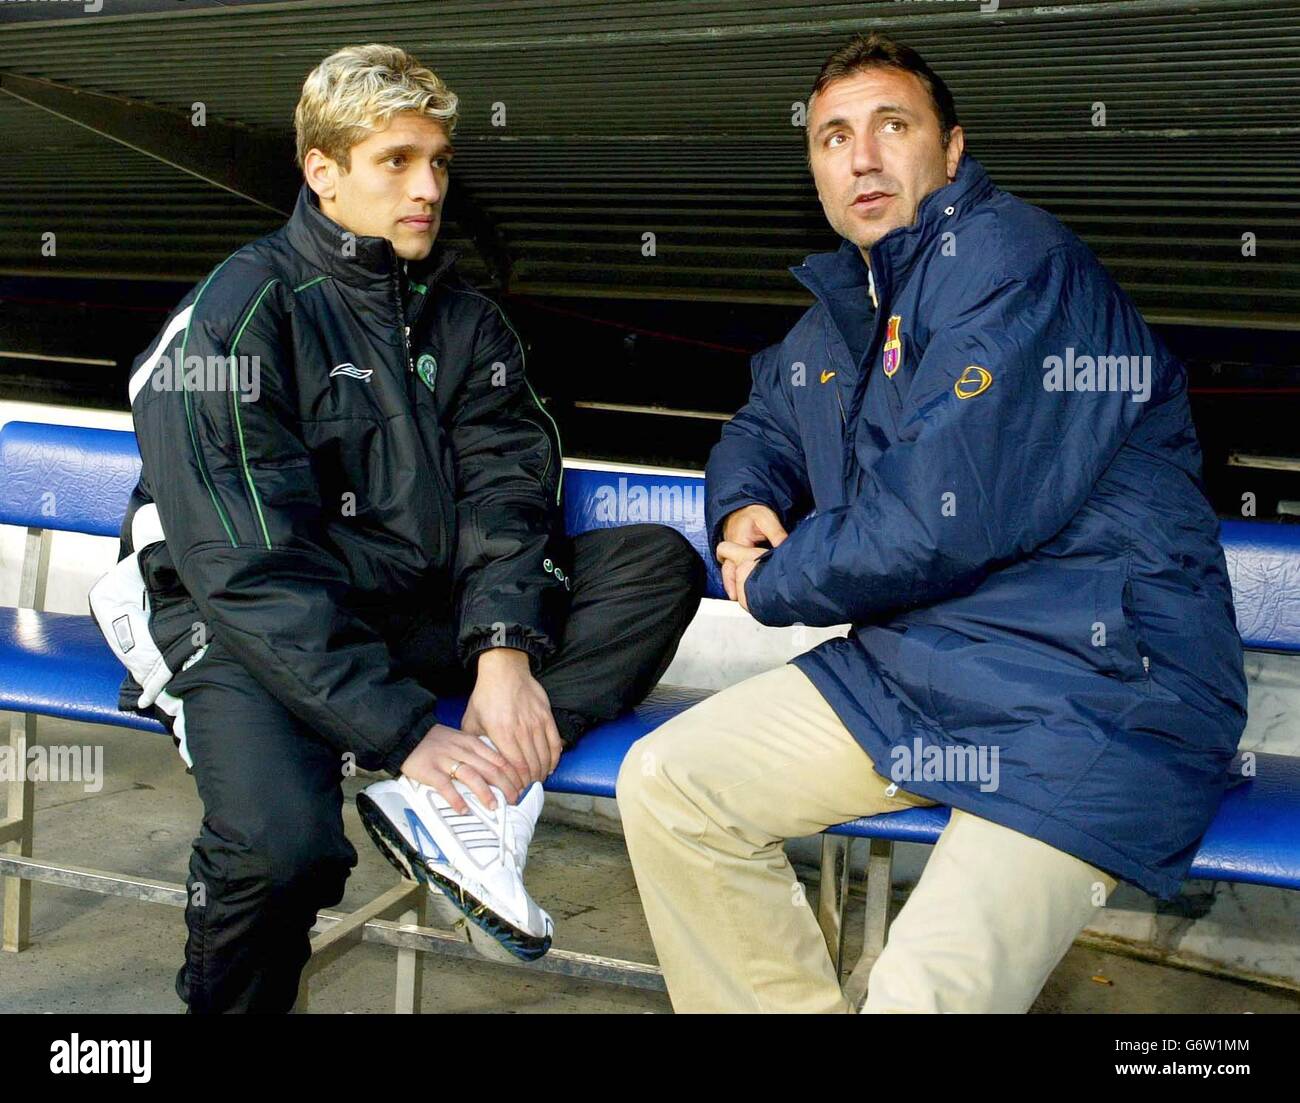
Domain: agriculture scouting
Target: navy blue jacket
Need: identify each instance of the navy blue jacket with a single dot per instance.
(1013, 523)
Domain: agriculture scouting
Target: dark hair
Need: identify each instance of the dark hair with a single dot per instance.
(868, 51)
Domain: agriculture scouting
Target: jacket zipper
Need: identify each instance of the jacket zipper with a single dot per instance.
(865, 368)
(405, 330)
(448, 500)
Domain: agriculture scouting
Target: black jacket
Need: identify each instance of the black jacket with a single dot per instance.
(380, 465)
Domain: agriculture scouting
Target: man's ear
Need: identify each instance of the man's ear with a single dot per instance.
(956, 146)
(321, 173)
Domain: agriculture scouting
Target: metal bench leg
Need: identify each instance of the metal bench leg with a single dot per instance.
(410, 974)
(16, 827)
(339, 937)
(880, 877)
(16, 834)
(836, 851)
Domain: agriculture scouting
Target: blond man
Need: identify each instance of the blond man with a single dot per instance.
(366, 515)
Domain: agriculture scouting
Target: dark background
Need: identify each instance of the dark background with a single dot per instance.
(672, 118)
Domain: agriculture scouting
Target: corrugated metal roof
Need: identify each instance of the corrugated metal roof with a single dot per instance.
(675, 118)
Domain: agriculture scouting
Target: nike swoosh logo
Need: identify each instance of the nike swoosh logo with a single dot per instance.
(352, 371)
(827, 375)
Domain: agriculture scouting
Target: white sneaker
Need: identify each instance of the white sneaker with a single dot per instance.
(476, 860)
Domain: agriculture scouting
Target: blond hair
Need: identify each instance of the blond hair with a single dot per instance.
(357, 90)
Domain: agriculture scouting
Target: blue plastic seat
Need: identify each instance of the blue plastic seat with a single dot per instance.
(57, 664)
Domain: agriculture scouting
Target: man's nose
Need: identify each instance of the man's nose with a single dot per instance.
(426, 187)
(866, 155)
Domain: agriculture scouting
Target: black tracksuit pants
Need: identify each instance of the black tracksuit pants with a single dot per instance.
(271, 851)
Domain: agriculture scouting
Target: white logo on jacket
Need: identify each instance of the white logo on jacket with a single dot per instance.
(352, 372)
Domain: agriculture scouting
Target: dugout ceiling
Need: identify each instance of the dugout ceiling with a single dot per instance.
(623, 118)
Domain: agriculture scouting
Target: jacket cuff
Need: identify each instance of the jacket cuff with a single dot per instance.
(408, 742)
(755, 597)
(519, 638)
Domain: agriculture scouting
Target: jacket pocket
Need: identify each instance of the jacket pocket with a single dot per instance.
(1115, 635)
(543, 470)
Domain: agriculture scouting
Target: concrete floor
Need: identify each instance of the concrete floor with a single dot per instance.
(93, 953)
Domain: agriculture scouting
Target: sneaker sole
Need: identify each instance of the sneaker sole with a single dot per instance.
(408, 861)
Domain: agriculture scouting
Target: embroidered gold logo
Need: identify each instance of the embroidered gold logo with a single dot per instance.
(974, 380)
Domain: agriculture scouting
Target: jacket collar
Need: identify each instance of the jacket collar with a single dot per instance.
(319, 239)
(836, 278)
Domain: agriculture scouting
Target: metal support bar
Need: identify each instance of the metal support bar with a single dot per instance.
(879, 886)
(17, 834)
(36, 570)
(1272, 463)
(341, 936)
(17, 829)
(383, 932)
(834, 893)
(409, 991)
(144, 889)
(567, 963)
(11, 829)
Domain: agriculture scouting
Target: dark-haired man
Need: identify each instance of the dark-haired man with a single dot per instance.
(973, 451)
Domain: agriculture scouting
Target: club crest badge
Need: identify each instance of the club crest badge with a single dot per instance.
(893, 357)
(427, 369)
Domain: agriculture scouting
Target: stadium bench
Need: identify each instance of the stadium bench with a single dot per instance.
(57, 664)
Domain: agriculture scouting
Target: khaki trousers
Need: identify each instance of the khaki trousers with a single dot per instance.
(707, 801)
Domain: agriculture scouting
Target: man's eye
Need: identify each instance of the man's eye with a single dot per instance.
(397, 160)
(442, 162)
(897, 123)
(834, 139)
